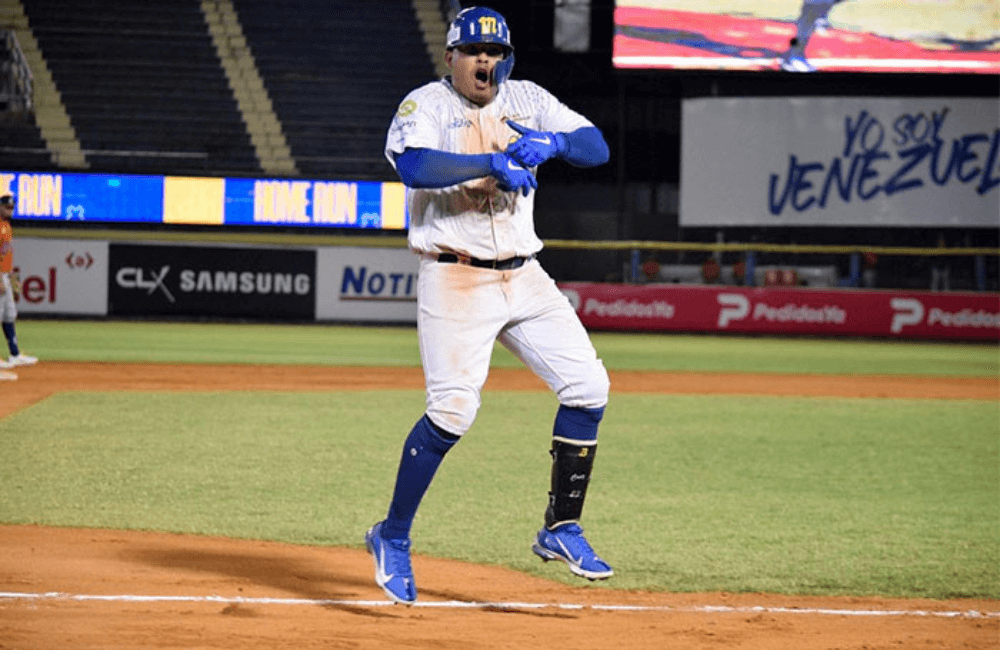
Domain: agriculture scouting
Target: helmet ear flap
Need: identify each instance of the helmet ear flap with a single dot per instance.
(503, 68)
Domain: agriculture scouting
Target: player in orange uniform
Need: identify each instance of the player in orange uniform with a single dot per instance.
(10, 289)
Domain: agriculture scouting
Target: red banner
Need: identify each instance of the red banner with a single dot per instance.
(671, 307)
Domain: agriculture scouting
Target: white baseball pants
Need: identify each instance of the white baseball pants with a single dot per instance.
(463, 310)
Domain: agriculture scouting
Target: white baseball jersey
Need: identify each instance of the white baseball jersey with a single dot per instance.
(475, 217)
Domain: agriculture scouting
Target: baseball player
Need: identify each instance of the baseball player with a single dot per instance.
(10, 288)
(812, 18)
(466, 146)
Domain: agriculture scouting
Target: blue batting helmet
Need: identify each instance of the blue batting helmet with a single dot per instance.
(483, 25)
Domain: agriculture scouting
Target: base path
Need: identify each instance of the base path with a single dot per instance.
(77, 589)
(38, 382)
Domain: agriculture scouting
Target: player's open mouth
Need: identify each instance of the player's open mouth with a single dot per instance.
(482, 76)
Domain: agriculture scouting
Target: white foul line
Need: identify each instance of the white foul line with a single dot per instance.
(457, 604)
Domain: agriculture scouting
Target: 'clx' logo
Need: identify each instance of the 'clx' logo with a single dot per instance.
(130, 277)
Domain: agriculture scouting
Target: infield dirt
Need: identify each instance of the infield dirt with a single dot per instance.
(40, 560)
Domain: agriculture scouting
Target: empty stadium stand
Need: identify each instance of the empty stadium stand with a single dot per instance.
(335, 72)
(22, 147)
(143, 86)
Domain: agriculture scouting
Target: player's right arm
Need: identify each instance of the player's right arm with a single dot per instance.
(415, 147)
(423, 168)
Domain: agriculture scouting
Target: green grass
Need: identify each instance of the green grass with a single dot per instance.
(59, 340)
(800, 496)
(397, 346)
(683, 352)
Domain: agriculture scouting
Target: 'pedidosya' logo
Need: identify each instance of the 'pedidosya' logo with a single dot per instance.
(910, 312)
(573, 297)
(737, 307)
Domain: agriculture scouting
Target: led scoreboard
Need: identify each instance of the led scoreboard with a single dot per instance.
(104, 198)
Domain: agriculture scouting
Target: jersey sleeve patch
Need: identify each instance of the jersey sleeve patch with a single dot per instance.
(407, 108)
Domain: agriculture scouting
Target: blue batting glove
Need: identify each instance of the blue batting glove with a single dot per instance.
(511, 177)
(534, 147)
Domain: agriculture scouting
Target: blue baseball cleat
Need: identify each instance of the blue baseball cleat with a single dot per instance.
(392, 565)
(567, 543)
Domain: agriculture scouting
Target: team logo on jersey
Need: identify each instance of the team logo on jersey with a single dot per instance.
(407, 108)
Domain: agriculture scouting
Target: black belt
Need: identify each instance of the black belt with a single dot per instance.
(499, 265)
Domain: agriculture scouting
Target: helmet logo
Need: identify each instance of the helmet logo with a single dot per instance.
(487, 25)
(478, 25)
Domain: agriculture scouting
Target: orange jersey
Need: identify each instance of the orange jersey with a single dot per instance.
(6, 247)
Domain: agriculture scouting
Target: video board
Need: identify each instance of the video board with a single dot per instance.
(935, 36)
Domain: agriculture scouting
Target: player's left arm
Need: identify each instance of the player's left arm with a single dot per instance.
(583, 147)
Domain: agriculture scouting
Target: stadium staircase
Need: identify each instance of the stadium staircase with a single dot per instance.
(23, 148)
(248, 88)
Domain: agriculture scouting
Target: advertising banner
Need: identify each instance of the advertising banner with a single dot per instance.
(367, 284)
(211, 281)
(62, 276)
(905, 314)
(817, 161)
